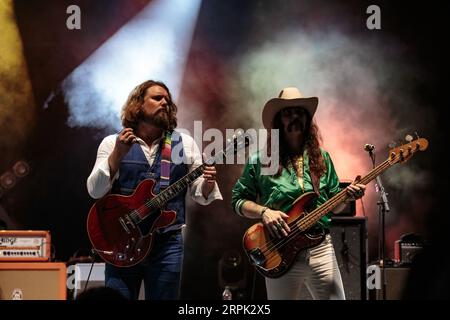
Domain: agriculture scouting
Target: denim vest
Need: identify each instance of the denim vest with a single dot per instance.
(134, 168)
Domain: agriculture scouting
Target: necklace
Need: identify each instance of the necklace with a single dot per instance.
(299, 167)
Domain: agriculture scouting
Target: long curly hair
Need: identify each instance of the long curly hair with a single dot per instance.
(132, 110)
(311, 143)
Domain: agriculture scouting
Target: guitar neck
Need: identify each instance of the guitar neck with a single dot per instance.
(340, 197)
(163, 197)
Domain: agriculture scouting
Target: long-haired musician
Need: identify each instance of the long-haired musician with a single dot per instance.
(303, 167)
(137, 153)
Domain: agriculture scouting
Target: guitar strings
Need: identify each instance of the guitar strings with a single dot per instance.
(307, 221)
(297, 226)
(311, 218)
(154, 202)
(301, 224)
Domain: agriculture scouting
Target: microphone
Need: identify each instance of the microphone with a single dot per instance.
(369, 147)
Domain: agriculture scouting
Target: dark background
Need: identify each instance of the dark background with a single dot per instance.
(54, 197)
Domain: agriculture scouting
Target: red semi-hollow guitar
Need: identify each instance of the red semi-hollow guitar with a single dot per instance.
(121, 228)
(273, 257)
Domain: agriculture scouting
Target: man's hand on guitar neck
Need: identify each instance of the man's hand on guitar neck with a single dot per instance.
(210, 176)
(356, 190)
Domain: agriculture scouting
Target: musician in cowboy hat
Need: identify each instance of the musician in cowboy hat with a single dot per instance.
(303, 167)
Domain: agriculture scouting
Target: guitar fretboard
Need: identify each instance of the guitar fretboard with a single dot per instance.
(165, 195)
(171, 191)
(310, 219)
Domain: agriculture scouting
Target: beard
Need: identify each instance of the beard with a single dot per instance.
(294, 135)
(160, 120)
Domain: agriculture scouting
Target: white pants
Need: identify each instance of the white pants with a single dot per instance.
(317, 268)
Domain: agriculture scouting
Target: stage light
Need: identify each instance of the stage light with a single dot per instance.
(17, 112)
(153, 45)
(8, 180)
(232, 271)
(21, 168)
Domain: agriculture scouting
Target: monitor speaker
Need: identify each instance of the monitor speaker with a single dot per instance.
(349, 237)
(33, 281)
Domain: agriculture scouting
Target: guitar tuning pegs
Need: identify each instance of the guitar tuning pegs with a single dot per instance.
(409, 138)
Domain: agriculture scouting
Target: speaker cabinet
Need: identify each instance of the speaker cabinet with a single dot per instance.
(349, 209)
(349, 236)
(84, 276)
(33, 281)
(396, 278)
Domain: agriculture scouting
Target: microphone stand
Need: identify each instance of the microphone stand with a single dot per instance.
(383, 207)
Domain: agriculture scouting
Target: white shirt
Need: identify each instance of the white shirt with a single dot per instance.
(99, 182)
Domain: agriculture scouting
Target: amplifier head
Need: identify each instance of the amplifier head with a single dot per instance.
(24, 245)
(407, 247)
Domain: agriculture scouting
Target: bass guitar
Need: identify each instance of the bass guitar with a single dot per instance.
(273, 257)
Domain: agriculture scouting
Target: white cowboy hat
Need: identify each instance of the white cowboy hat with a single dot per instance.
(288, 97)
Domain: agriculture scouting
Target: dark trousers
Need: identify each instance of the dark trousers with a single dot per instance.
(161, 271)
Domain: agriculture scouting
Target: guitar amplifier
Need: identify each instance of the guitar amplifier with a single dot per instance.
(24, 245)
(349, 236)
(33, 281)
(396, 280)
(406, 248)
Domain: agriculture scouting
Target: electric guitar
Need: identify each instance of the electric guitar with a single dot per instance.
(273, 257)
(121, 228)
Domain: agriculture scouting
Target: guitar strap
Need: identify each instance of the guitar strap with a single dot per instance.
(315, 182)
(166, 153)
(314, 178)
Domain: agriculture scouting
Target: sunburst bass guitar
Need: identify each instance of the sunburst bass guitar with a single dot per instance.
(273, 257)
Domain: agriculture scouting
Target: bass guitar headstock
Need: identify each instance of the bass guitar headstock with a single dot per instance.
(404, 152)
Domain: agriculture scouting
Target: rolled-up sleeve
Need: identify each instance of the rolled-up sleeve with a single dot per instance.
(194, 160)
(99, 181)
(245, 188)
